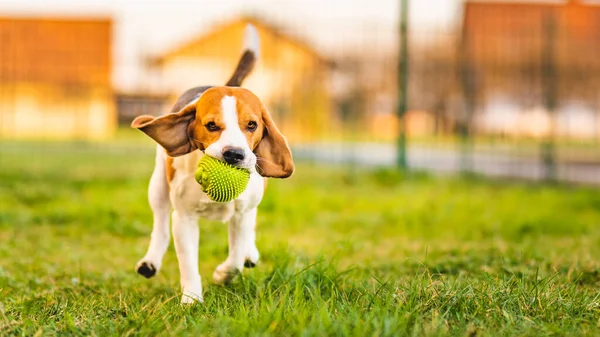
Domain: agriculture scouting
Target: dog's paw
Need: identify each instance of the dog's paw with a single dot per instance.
(224, 274)
(146, 269)
(190, 297)
(252, 257)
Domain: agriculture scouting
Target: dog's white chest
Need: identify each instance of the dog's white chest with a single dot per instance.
(186, 194)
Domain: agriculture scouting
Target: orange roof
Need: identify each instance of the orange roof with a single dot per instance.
(512, 32)
(259, 23)
(56, 50)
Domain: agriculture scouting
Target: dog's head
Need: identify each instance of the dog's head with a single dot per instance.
(228, 123)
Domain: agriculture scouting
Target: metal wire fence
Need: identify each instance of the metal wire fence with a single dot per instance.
(511, 90)
(502, 90)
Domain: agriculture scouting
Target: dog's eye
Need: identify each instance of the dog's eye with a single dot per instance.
(252, 126)
(211, 126)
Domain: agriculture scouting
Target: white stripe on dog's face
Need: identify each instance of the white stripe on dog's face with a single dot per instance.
(232, 135)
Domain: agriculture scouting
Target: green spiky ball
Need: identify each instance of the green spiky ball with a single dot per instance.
(220, 181)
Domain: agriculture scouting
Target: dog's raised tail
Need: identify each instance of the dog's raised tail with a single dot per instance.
(248, 59)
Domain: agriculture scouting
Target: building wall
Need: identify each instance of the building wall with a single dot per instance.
(46, 111)
(55, 78)
(536, 66)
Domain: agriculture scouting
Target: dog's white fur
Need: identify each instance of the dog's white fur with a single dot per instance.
(251, 40)
(190, 203)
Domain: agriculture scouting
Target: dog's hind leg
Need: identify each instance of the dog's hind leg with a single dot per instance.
(158, 196)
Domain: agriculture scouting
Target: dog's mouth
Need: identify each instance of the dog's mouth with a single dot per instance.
(248, 163)
(236, 156)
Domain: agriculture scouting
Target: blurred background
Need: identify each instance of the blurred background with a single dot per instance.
(503, 88)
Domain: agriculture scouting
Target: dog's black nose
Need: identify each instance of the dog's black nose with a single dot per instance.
(233, 155)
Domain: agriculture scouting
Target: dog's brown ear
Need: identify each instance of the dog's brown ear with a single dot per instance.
(172, 131)
(273, 155)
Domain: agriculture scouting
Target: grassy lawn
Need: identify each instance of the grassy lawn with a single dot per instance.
(344, 252)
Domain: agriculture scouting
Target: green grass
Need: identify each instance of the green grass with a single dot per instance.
(344, 252)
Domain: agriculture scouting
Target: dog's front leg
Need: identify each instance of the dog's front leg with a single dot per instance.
(186, 235)
(242, 247)
(158, 196)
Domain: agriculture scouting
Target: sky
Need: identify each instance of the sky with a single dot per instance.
(150, 27)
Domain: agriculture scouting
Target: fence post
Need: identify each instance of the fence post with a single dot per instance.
(402, 86)
(548, 147)
(467, 76)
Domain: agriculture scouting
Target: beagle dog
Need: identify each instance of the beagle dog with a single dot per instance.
(228, 123)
